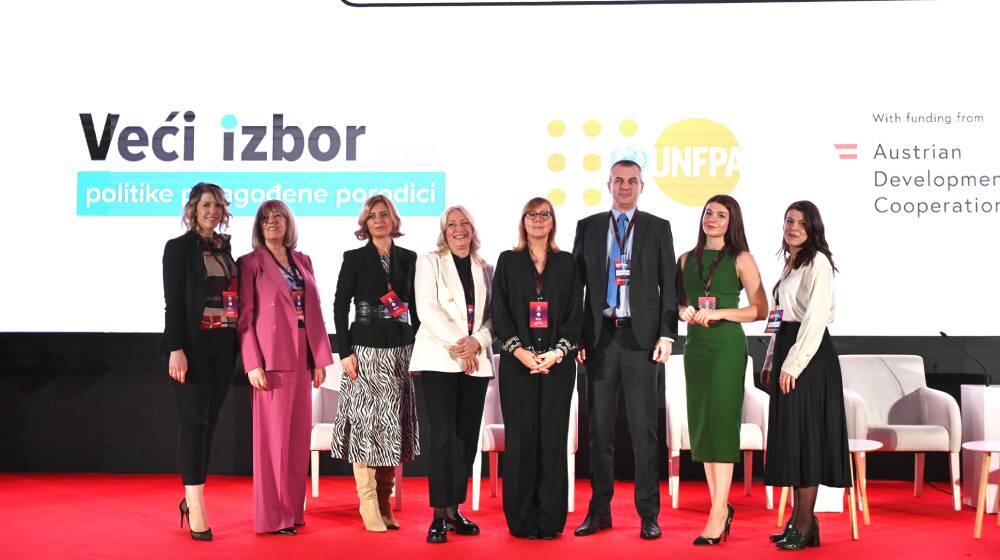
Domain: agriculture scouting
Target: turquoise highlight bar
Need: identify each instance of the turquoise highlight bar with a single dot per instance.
(336, 193)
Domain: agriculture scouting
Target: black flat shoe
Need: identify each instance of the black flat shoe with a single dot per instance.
(775, 537)
(797, 541)
(461, 525)
(650, 529)
(205, 535)
(548, 536)
(287, 531)
(703, 540)
(438, 531)
(592, 524)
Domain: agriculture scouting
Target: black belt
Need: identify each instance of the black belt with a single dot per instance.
(618, 322)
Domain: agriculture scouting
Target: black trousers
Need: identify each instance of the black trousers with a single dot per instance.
(619, 364)
(199, 399)
(455, 410)
(536, 422)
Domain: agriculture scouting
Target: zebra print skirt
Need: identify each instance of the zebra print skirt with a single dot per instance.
(377, 415)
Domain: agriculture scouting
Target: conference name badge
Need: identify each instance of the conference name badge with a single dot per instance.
(774, 321)
(706, 302)
(299, 299)
(623, 271)
(538, 314)
(230, 304)
(392, 302)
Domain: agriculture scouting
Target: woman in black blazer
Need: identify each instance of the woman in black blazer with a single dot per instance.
(376, 425)
(199, 337)
(538, 317)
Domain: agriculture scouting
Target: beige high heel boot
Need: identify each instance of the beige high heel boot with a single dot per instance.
(385, 478)
(364, 478)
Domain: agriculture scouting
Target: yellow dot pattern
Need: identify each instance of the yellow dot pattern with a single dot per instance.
(628, 127)
(592, 162)
(591, 197)
(557, 128)
(592, 128)
(557, 162)
(557, 197)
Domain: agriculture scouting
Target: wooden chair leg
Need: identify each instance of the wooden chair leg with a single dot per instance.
(854, 505)
(984, 474)
(397, 489)
(747, 472)
(918, 474)
(494, 472)
(781, 506)
(863, 484)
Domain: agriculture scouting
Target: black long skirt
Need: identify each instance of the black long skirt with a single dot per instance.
(807, 428)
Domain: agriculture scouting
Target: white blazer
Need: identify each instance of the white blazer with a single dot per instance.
(441, 304)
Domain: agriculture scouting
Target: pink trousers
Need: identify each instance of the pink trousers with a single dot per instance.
(282, 421)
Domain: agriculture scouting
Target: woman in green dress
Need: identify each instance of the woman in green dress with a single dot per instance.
(715, 352)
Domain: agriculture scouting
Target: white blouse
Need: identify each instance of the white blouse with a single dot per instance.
(806, 296)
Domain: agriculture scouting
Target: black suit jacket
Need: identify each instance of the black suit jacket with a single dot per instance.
(652, 294)
(362, 278)
(514, 289)
(183, 292)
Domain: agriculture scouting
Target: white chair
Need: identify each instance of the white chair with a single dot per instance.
(491, 440)
(887, 400)
(753, 428)
(324, 411)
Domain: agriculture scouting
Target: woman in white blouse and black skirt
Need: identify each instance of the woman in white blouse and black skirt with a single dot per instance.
(807, 440)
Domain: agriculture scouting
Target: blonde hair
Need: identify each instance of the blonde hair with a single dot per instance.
(362, 232)
(190, 216)
(442, 240)
(534, 204)
(291, 233)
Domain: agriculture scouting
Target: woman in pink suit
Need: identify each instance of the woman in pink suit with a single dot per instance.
(284, 344)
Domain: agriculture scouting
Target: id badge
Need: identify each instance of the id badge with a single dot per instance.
(230, 304)
(471, 314)
(538, 314)
(623, 272)
(773, 321)
(299, 299)
(392, 302)
(706, 302)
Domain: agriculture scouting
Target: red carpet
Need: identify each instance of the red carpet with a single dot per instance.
(135, 516)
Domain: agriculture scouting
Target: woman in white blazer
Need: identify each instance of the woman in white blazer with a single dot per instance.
(453, 353)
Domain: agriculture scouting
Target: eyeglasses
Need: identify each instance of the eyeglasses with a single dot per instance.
(379, 216)
(544, 215)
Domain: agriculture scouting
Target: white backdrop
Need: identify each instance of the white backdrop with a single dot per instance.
(487, 96)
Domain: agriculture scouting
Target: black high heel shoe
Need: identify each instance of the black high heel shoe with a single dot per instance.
(703, 541)
(797, 541)
(205, 535)
(775, 537)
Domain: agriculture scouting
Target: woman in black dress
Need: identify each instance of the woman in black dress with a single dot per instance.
(538, 317)
(199, 338)
(807, 439)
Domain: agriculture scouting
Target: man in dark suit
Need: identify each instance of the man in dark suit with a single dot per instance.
(626, 260)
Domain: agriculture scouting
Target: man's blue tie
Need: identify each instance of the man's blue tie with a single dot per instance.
(616, 254)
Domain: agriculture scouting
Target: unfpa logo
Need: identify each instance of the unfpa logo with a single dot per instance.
(695, 160)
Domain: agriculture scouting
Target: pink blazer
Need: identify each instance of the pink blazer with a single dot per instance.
(267, 325)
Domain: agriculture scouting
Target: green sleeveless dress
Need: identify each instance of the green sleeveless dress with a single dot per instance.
(715, 361)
